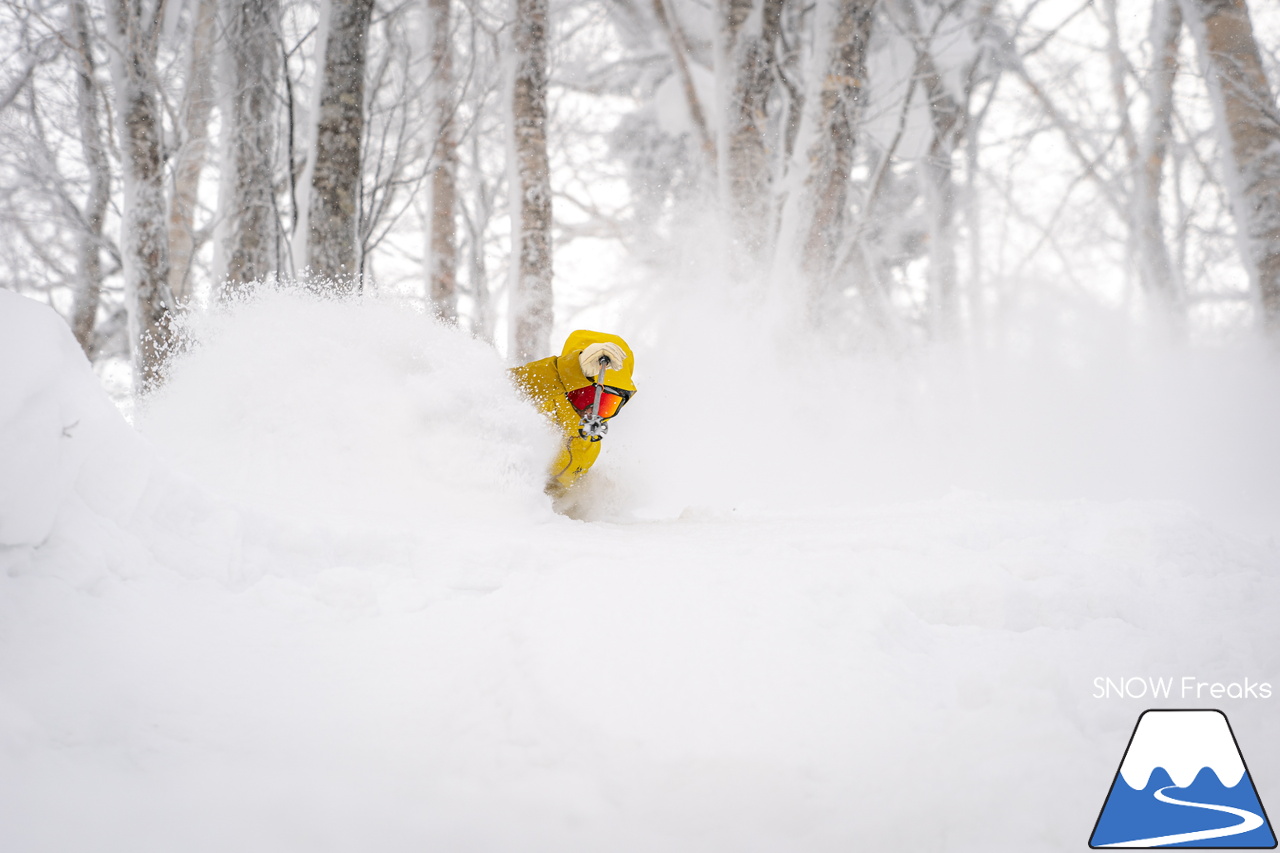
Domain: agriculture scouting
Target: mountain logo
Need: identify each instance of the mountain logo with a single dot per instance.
(1183, 783)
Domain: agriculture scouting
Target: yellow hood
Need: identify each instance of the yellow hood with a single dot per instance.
(571, 371)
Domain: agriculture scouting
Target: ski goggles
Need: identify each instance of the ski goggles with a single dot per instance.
(611, 399)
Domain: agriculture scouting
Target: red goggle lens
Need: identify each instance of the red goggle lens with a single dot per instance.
(610, 401)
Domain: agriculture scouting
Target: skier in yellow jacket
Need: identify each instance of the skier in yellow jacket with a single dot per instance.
(580, 390)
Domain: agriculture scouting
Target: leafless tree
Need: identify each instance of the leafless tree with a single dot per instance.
(145, 239)
(442, 250)
(1249, 122)
(251, 220)
(835, 103)
(332, 246)
(947, 117)
(531, 287)
(1145, 152)
(88, 293)
(746, 31)
(1160, 276)
(679, 45)
(192, 150)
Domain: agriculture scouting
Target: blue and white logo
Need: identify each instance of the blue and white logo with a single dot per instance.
(1183, 783)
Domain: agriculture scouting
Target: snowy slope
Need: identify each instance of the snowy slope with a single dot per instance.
(338, 615)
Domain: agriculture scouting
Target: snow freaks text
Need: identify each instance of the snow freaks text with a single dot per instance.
(1186, 687)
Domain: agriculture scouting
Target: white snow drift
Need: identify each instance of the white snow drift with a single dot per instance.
(65, 452)
(318, 601)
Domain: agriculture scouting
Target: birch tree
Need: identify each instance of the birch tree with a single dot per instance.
(253, 237)
(835, 103)
(333, 210)
(1249, 124)
(189, 159)
(88, 292)
(486, 142)
(1157, 271)
(476, 222)
(745, 32)
(1144, 154)
(946, 124)
(530, 186)
(144, 242)
(442, 249)
(679, 47)
(397, 144)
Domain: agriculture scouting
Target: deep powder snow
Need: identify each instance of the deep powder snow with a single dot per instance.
(316, 600)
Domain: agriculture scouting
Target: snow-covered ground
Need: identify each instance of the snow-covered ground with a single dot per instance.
(315, 601)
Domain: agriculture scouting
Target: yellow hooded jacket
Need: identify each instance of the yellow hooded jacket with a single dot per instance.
(547, 382)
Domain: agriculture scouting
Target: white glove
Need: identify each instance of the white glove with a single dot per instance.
(590, 358)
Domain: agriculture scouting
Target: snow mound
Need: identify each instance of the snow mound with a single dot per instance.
(352, 414)
(67, 451)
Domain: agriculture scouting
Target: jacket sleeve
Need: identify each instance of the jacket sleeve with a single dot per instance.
(540, 382)
(543, 383)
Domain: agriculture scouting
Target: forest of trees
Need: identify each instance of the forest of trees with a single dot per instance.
(907, 170)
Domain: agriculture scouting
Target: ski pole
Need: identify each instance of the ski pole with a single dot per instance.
(594, 427)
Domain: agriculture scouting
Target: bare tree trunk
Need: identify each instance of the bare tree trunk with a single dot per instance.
(145, 240)
(477, 224)
(680, 58)
(84, 312)
(1249, 123)
(835, 100)
(944, 297)
(976, 276)
(1156, 270)
(252, 237)
(197, 106)
(746, 31)
(1145, 157)
(947, 120)
(531, 292)
(477, 280)
(980, 67)
(335, 177)
(787, 63)
(442, 254)
(1117, 64)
